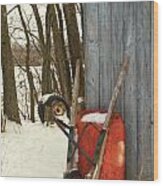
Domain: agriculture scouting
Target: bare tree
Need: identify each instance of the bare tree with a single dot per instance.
(9, 88)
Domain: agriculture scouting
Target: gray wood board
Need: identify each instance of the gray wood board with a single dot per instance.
(110, 31)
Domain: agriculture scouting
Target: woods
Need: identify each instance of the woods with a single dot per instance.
(53, 36)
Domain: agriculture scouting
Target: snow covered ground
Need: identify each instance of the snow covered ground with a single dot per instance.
(33, 150)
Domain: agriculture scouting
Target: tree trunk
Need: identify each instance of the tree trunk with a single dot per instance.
(9, 88)
(46, 72)
(74, 43)
(61, 57)
(29, 74)
(45, 49)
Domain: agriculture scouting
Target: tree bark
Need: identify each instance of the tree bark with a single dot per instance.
(46, 72)
(9, 88)
(74, 43)
(45, 49)
(61, 57)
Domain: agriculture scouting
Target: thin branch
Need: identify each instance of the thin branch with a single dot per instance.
(15, 59)
(12, 9)
(38, 75)
(35, 45)
(39, 25)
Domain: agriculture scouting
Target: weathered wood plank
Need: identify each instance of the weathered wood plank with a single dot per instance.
(130, 102)
(143, 48)
(117, 45)
(113, 29)
(105, 55)
(91, 55)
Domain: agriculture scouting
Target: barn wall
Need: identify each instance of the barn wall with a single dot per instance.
(110, 31)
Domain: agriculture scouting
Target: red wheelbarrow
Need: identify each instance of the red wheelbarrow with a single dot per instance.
(113, 166)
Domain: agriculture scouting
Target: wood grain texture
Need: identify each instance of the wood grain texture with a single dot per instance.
(92, 55)
(155, 90)
(112, 30)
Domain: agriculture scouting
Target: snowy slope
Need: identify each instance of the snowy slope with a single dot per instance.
(33, 150)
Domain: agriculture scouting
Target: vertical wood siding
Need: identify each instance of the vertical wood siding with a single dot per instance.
(110, 31)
